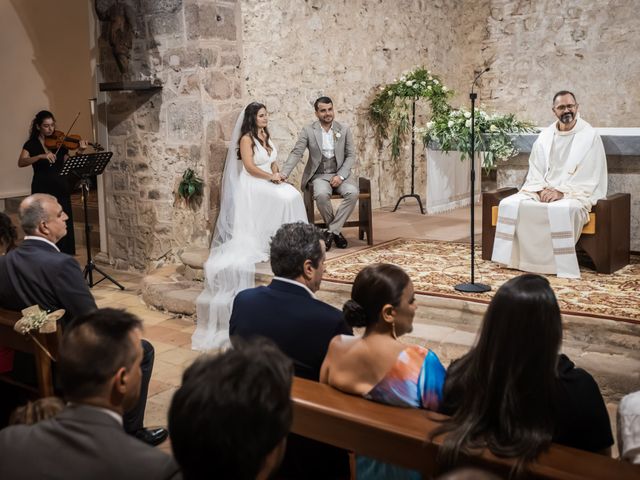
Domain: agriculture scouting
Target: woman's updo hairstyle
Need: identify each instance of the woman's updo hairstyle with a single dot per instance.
(374, 287)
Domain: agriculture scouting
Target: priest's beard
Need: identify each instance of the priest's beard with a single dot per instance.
(567, 118)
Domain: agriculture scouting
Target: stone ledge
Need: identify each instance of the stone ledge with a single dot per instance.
(168, 290)
(605, 348)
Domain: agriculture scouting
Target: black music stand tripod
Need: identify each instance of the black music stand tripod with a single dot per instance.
(84, 167)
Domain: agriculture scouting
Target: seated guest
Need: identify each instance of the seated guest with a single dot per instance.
(378, 366)
(99, 369)
(34, 412)
(539, 226)
(8, 234)
(231, 416)
(8, 237)
(37, 273)
(629, 428)
(288, 313)
(513, 393)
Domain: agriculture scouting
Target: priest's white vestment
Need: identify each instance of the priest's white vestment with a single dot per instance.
(539, 237)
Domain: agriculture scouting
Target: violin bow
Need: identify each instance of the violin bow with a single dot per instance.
(68, 131)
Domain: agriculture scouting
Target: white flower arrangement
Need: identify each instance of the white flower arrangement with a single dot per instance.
(391, 108)
(452, 131)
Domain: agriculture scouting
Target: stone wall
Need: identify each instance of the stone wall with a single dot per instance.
(296, 51)
(213, 57)
(193, 49)
(537, 48)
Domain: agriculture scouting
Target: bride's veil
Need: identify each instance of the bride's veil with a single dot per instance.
(230, 267)
(232, 168)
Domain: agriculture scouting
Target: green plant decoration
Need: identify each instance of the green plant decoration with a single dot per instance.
(493, 134)
(191, 186)
(390, 111)
(449, 128)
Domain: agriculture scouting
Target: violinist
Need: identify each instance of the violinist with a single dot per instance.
(47, 163)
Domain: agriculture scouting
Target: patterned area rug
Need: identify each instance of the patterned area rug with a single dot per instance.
(435, 267)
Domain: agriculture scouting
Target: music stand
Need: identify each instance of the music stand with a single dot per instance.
(84, 167)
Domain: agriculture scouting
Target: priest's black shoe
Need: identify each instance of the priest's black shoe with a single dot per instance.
(152, 436)
(340, 241)
(328, 239)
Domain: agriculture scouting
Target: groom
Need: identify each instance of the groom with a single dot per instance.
(331, 157)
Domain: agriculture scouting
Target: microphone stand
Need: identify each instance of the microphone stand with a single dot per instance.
(473, 287)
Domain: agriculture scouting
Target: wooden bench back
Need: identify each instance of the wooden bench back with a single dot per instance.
(398, 436)
(25, 343)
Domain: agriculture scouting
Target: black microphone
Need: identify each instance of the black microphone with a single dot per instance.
(478, 76)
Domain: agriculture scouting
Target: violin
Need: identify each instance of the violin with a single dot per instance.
(70, 141)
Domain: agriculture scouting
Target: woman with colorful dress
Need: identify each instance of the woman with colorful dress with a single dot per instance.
(377, 365)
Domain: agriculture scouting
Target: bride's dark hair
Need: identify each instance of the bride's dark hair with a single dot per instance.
(249, 124)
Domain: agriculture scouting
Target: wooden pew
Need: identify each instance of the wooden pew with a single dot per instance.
(24, 343)
(398, 435)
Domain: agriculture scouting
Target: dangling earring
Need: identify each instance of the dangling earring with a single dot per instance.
(393, 330)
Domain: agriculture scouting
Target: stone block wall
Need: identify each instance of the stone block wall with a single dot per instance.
(294, 52)
(193, 49)
(537, 48)
(214, 56)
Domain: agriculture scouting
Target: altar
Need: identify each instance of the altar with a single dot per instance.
(448, 184)
(622, 146)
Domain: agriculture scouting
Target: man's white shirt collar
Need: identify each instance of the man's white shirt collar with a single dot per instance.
(42, 239)
(294, 282)
(115, 415)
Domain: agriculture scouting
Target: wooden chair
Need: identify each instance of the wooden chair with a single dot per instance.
(606, 238)
(400, 436)
(24, 343)
(365, 219)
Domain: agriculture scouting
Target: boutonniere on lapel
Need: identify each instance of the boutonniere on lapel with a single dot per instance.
(336, 135)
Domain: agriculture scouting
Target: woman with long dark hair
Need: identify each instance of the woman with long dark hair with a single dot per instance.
(254, 203)
(47, 166)
(513, 393)
(378, 366)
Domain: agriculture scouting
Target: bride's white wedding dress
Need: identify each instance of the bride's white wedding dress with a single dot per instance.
(252, 213)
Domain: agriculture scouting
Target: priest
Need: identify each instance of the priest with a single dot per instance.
(539, 226)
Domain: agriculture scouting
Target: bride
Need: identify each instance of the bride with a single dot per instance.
(254, 203)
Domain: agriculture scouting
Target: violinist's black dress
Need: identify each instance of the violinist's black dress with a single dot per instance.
(47, 179)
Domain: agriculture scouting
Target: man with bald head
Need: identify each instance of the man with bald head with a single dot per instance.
(37, 273)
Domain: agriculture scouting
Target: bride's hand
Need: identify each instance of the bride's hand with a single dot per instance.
(275, 177)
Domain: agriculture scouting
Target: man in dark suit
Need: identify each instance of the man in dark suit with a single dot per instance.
(99, 368)
(288, 313)
(37, 273)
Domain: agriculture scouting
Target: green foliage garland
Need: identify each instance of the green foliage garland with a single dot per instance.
(390, 111)
(449, 128)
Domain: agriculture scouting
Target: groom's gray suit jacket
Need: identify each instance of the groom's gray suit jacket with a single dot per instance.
(311, 138)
